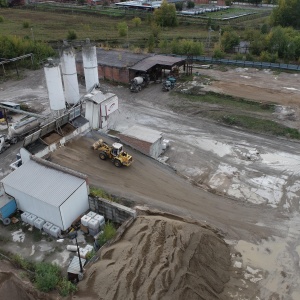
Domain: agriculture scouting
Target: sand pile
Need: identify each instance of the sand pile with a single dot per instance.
(13, 288)
(159, 257)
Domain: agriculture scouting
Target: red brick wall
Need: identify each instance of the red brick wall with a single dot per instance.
(142, 146)
(201, 1)
(221, 2)
(109, 73)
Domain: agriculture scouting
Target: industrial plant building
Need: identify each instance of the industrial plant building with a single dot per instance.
(123, 66)
(48, 191)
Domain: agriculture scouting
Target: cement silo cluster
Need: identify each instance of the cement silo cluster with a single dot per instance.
(66, 92)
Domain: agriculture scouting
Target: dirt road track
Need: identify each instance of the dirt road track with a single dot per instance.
(149, 182)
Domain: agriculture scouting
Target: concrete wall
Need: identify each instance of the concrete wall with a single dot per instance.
(110, 210)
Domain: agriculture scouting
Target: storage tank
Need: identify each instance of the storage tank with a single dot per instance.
(47, 226)
(55, 231)
(24, 126)
(91, 214)
(31, 219)
(100, 219)
(38, 223)
(90, 65)
(54, 87)
(85, 220)
(93, 224)
(24, 216)
(69, 72)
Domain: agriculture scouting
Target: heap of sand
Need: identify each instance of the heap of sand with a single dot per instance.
(159, 257)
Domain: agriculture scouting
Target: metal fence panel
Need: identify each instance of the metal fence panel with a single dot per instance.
(31, 138)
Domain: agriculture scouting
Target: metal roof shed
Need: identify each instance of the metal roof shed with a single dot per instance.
(146, 140)
(49, 191)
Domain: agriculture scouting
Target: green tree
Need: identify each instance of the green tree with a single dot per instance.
(179, 6)
(229, 40)
(287, 13)
(165, 15)
(72, 35)
(47, 276)
(136, 21)
(190, 4)
(277, 41)
(3, 3)
(122, 29)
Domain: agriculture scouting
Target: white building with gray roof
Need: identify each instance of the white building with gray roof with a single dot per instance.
(51, 192)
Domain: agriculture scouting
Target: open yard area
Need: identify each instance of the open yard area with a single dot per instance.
(245, 185)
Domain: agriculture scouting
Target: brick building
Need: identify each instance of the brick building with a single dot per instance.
(122, 66)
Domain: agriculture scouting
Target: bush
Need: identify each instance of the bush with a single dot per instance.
(109, 232)
(66, 287)
(190, 4)
(136, 21)
(122, 29)
(25, 24)
(72, 35)
(1, 19)
(47, 276)
(218, 53)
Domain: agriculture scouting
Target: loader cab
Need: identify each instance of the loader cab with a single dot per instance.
(117, 148)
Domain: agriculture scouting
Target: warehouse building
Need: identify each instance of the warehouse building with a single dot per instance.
(53, 193)
(145, 140)
(123, 66)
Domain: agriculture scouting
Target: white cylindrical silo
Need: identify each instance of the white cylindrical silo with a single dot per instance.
(90, 65)
(54, 86)
(69, 73)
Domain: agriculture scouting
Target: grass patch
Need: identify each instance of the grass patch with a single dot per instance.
(254, 124)
(109, 231)
(97, 192)
(231, 102)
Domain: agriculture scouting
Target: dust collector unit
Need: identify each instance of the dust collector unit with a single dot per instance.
(90, 65)
(69, 73)
(54, 86)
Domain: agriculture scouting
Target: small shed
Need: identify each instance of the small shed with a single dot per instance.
(54, 193)
(98, 107)
(74, 269)
(146, 140)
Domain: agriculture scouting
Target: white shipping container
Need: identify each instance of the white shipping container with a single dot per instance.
(85, 220)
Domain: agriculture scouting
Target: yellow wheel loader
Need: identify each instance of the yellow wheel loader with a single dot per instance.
(114, 152)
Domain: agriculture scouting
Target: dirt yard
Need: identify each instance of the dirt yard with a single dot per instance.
(245, 185)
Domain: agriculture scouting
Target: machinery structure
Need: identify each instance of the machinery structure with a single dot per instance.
(17, 131)
(137, 83)
(114, 152)
(169, 83)
(3, 143)
(8, 206)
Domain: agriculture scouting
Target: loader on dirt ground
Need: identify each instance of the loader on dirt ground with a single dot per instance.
(114, 152)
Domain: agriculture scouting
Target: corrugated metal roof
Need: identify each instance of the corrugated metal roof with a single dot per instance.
(74, 266)
(162, 60)
(116, 58)
(143, 133)
(44, 183)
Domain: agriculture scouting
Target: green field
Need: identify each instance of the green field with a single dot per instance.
(52, 23)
